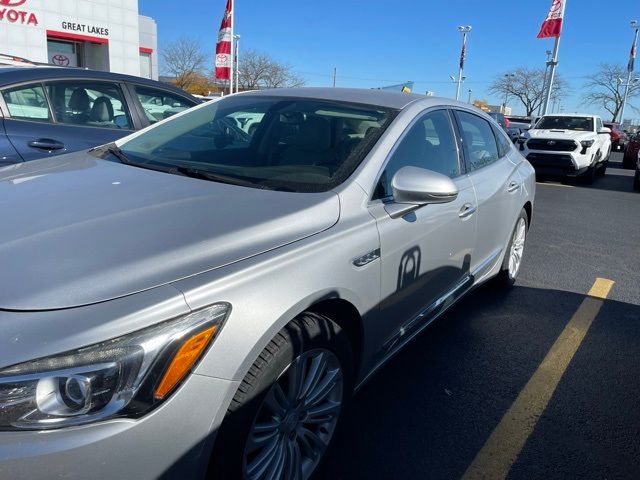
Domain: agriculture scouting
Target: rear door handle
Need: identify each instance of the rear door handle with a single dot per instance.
(513, 186)
(467, 210)
(46, 144)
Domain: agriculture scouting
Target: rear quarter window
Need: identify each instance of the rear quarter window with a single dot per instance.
(27, 103)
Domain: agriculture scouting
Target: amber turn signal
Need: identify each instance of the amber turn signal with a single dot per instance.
(183, 360)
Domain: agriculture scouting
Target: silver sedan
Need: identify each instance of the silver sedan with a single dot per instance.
(201, 298)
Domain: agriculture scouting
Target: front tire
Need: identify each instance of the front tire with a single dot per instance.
(286, 410)
(589, 176)
(602, 170)
(636, 181)
(512, 262)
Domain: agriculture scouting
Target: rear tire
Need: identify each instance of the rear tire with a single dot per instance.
(271, 404)
(636, 181)
(508, 274)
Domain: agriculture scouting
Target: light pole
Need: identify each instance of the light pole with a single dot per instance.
(237, 61)
(508, 77)
(464, 29)
(544, 82)
(627, 86)
(636, 28)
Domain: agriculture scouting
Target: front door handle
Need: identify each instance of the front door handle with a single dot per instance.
(513, 186)
(46, 144)
(467, 210)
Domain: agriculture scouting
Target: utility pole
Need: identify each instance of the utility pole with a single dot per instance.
(636, 27)
(464, 29)
(335, 74)
(469, 101)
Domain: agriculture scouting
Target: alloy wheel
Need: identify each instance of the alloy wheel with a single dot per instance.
(517, 247)
(296, 420)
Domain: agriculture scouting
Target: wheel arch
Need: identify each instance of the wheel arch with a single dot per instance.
(528, 207)
(348, 318)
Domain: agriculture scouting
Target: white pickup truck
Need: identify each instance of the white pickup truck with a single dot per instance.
(568, 144)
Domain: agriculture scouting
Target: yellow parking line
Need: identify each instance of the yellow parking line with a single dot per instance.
(501, 449)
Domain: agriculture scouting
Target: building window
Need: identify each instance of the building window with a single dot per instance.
(146, 70)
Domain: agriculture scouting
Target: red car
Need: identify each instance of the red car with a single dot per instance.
(619, 139)
(631, 153)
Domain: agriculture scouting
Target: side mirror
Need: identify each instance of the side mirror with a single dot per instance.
(604, 130)
(414, 187)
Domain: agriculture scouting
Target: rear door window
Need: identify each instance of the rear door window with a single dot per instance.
(27, 103)
(478, 140)
(504, 142)
(89, 104)
(160, 104)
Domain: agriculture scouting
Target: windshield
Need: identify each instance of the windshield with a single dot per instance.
(279, 143)
(581, 124)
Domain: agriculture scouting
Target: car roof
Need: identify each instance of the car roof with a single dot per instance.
(570, 115)
(381, 98)
(10, 75)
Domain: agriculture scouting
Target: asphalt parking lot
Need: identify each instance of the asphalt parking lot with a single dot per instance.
(542, 382)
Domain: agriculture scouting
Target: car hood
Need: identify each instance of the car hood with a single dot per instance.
(560, 134)
(77, 230)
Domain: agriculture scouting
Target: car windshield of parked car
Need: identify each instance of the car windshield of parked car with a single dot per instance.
(581, 124)
(278, 143)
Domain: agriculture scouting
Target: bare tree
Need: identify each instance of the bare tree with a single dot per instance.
(605, 89)
(260, 70)
(527, 85)
(183, 59)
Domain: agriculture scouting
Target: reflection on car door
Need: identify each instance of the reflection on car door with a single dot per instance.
(427, 253)
(495, 181)
(8, 153)
(65, 116)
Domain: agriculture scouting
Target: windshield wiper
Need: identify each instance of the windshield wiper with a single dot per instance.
(215, 177)
(114, 150)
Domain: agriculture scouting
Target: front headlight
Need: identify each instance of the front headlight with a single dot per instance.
(126, 376)
(586, 144)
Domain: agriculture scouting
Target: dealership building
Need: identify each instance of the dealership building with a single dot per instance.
(106, 35)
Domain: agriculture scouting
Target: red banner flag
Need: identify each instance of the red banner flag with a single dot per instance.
(552, 26)
(632, 57)
(223, 47)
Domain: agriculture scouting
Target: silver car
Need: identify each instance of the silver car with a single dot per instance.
(194, 300)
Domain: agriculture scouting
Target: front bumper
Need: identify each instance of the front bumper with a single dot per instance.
(559, 163)
(173, 441)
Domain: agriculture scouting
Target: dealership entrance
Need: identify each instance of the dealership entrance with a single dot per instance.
(78, 53)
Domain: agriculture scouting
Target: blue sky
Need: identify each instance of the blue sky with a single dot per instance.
(374, 43)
